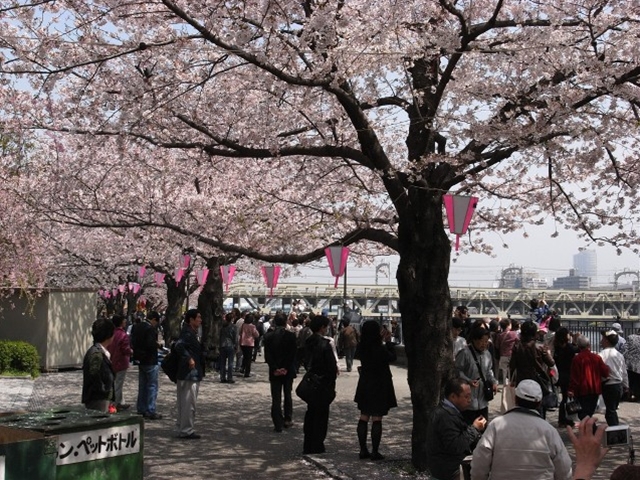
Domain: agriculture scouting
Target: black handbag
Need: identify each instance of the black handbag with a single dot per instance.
(313, 390)
(572, 406)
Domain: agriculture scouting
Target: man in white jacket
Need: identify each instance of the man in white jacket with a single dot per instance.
(618, 381)
(521, 444)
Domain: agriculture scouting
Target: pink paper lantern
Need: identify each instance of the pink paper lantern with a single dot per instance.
(121, 288)
(158, 278)
(114, 292)
(141, 271)
(227, 272)
(178, 274)
(270, 274)
(185, 261)
(337, 257)
(107, 294)
(201, 276)
(130, 286)
(136, 288)
(460, 209)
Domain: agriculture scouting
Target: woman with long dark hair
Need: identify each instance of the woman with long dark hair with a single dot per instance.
(375, 394)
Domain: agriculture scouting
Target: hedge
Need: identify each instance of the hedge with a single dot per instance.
(19, 358)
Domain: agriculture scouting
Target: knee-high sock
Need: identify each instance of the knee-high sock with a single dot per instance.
(362, 434)
(376, 435)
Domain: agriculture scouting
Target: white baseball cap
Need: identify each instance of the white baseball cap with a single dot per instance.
(616, 326)
(529, 390)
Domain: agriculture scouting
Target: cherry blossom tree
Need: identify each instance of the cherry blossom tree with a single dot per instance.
(347, 119)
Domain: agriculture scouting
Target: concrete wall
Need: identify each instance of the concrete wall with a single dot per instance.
(57, 323)
(69, 334)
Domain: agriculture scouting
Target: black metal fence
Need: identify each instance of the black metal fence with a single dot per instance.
(589, 329)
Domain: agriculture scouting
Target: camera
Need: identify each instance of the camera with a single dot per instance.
(616, 435)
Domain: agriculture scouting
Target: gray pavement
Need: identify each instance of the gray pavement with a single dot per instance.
(238, 441)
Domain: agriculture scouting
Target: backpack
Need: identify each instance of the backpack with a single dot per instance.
(169, 364)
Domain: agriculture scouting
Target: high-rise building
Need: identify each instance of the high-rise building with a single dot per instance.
(585, 264)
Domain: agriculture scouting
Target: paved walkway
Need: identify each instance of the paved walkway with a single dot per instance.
(238, 441)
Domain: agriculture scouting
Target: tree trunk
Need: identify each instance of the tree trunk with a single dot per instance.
(210, 306)
(176, 295)
(425, 306)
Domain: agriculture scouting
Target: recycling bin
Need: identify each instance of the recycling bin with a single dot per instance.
(78, 444)
(26, 454)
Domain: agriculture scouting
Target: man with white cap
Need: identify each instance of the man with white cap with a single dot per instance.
(521, 444)
(621, 341)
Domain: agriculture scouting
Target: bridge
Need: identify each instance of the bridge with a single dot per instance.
(382, 300)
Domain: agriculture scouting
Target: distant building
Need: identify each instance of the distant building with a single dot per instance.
(517, 277)
(585, 264)
(572, 282)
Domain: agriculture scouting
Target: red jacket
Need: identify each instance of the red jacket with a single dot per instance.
(120, 350)
(587, 373)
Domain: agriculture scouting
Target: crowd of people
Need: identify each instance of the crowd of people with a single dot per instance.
(539, 361)
(536, 362)
(292, 344)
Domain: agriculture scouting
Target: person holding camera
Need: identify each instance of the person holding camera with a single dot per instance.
(475, 365)
(506, 450)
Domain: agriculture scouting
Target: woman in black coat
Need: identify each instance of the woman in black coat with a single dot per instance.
(375, 394)
(563, 353)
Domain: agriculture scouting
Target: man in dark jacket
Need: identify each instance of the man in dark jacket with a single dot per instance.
(449, 438)
(190, 373)
(322, 362)
(280, 353)
(144, 341)
(97, 373)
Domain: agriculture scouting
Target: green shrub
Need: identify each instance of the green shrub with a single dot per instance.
(19, 358)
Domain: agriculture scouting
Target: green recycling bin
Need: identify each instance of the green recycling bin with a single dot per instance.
(89, 445)
(25, 454)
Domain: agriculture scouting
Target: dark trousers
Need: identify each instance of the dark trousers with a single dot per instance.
(246, 360)
(281, 387)
(634, 384)
(300, 359)
(349, 353)
(316, 423)
(227, 357)
(588, 404)
(612, 394)
(562, 412)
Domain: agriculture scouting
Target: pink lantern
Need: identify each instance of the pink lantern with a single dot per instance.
(141, 271)
(130, 286)
(460, 209)
(121, 288)
(107, 294)
(101, 293)
(179, 273)
(114, 292)
(337, 256)
(136, 288)
(270, 274)
(227, 271)
(201, 276)
(158, 278)
(185, 261)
